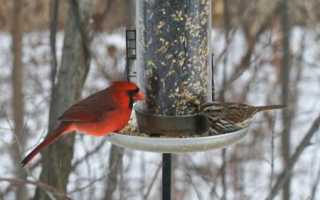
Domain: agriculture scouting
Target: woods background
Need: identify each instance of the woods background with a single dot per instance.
(36, 13)
(264, 52)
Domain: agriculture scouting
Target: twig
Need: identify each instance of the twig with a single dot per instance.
(83, 33)
(49, 188)
(190, 180)
(272, 150)
(315, 186)
(153, 180)
(89, 154)
(293, 159)
(224, 174)
(53, 38)
(88, 185)
(246, 59)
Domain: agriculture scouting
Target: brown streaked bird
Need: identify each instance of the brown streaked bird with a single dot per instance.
(228, 117)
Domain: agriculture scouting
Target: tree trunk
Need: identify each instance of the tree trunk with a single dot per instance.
(56, 160)
(286, 113)
(17, 97)
(115, 165)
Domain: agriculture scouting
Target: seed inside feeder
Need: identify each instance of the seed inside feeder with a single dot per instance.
(173, 54)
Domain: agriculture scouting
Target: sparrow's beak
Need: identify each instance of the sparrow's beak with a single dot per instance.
(139, 96)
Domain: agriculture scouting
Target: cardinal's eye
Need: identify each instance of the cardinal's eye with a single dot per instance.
(133, 92)
(136, 90)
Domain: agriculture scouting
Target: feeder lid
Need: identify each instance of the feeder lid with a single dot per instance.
(177, 145)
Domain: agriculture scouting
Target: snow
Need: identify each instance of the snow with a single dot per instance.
(255, 171)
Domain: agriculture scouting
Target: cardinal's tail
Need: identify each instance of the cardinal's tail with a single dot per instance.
(62, 128)
(270, 107)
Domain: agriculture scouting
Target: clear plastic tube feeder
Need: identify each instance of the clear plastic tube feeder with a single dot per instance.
(174, 71)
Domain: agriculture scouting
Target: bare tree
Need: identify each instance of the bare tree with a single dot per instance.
(115, 168)
(286, 114)
(71, 77)
(286, 173)
(315, 186)
(224, 166)
(54, 13)
(17, 96)
(18, 182)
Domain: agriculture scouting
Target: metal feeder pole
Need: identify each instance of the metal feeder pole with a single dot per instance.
(166, 176)
(173, 65)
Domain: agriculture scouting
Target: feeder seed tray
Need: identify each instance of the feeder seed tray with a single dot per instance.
(131, 138)
(177, 145)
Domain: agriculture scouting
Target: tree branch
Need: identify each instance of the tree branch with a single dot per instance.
(285, 174)
(49, 188)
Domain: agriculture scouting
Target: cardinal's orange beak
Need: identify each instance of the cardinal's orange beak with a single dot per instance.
(139, 96)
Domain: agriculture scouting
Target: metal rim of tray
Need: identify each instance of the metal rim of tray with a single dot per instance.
(177, 145)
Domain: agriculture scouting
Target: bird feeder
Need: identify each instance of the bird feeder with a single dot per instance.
(174, 71)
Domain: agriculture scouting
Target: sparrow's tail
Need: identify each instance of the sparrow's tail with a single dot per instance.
(270, 107)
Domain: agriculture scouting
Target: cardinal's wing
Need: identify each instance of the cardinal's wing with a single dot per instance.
(90, 109)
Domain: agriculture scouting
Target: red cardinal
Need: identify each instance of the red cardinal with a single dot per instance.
(99, 114)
